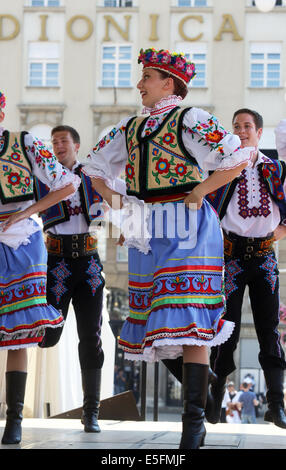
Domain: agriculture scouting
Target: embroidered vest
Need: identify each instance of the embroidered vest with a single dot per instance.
(159, 163)
(16, 176)
(59, 213)
(273, 174)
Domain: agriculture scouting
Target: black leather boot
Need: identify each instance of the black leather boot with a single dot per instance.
(215, 397)
(91, 381)
(275, 397)
(175, 366)
(195, 389)
(15, 394)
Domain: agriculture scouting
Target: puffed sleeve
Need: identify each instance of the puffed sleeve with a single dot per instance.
(108, 158)
(280, 137)
(47, 168)
(210, 144)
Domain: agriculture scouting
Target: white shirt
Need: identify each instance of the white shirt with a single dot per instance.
(77, 222)
(251, 211)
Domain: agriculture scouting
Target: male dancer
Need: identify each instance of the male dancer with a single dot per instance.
(252, 210)
(74, 271)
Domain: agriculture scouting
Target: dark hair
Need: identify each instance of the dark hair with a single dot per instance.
(180, 89)
(258, 119)
(74, 134)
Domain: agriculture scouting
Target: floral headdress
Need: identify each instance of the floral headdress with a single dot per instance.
(2, 100)
(172, 62)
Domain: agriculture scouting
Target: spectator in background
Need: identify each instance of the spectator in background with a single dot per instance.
(248, 403)
(233, 406)
(120, 382)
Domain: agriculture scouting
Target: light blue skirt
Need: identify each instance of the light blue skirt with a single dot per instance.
(24, 312)
(176, 293)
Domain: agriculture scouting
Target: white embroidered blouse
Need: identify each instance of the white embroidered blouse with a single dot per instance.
(213, 147)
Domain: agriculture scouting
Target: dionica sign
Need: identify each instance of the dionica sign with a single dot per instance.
(228, 26)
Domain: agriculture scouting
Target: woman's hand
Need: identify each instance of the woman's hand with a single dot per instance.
(52, 198)
(13, 219)
(279, 232)
(121, 240)
(194, 199)
(113, 198)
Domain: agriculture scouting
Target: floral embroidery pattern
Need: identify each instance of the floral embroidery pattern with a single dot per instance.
(167, 168)
(270, 266)
(14, 169)
(272, 175)
(129, 171)
(44, 158)
(210, 132)
(61, 272)
(232, 270)
(175, 62)
(244, 211)
(94, 271)
(132, 154)
(108, 138)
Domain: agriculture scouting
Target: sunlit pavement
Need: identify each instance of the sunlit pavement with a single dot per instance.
(69, 434)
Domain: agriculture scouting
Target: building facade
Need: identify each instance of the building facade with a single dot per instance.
(75, 63)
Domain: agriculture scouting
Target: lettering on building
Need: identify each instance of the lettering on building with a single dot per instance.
(12, 27)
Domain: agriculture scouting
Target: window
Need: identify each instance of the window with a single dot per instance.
(196, 53)
(122, 254)
(45, 3)
(43, 65)
(116, 66)
(118, 3)
(192, 3)
(278, 3)
(265, 65)
(42, 132)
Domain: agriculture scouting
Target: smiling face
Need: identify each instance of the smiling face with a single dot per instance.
(244, 126)
(153, 87)
(65, 149)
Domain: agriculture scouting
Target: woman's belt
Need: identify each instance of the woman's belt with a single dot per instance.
(166, 198)
(247, 247)
(71, 246)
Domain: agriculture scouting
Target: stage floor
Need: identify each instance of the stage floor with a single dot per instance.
(69, 434)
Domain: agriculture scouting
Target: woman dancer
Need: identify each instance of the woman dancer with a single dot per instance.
(176, 287)
(24, 313)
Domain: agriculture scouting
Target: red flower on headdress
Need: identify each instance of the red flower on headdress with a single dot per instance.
(2, 100)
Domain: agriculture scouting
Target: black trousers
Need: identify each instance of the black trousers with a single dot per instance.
(78, 280)
(261, 276)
